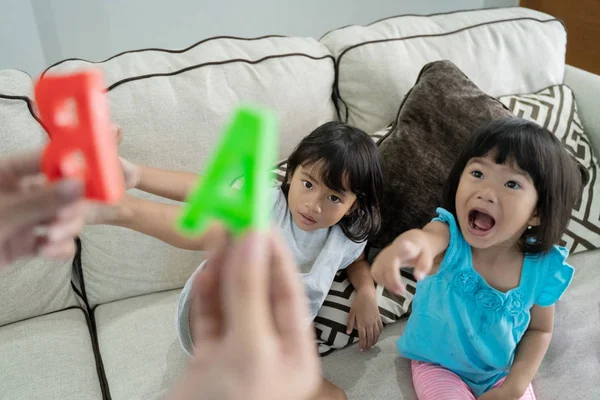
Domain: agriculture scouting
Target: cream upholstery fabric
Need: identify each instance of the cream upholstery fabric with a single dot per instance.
(32, 287)
(173, 107)
(50, 358)
(139, 346)
(504, 51)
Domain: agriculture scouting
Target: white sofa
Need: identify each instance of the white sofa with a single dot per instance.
(102, 326)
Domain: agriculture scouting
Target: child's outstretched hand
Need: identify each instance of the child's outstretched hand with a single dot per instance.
(364, 316)
(411, 249)
(131, 172)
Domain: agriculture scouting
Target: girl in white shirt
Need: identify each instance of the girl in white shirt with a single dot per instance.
(326, 208)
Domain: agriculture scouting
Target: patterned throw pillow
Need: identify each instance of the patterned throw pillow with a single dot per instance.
(332, 319)
(555, 109)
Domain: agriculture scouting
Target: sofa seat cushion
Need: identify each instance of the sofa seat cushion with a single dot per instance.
(138, 345)
(571, 368)
(49, 357)
(375, 374)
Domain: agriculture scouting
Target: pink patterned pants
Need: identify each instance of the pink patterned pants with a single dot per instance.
(433, 382)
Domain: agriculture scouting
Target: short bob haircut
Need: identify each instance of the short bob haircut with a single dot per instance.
(538, 152)
(348, 160)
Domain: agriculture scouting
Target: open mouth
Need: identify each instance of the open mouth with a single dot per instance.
(480, 222)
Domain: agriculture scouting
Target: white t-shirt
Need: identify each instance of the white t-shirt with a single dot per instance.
(319, 254)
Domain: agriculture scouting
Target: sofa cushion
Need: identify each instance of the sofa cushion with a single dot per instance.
(375, 374)
(172, 105)
(555, 109)
(138, 344)
(30, 287)
(571, 368)
(440, 112)
(19, 130)
(504, 51)
(49, 357)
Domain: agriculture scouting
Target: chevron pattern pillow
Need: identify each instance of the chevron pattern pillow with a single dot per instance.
(555, 109)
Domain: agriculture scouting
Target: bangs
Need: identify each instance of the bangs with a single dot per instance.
(338, 173)
(525, 145)
(518, 149)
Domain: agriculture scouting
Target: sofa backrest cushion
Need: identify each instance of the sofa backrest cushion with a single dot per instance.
(34, 287)
(173, 105)
(503, 51)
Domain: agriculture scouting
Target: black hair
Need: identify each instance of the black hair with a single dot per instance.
(535, 150)
(346, 156)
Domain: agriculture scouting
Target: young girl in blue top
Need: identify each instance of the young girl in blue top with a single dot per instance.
(488, 266)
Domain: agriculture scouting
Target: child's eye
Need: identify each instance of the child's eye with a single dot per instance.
(307, 184)
(477, 174)
(334, 199)
(513, 185)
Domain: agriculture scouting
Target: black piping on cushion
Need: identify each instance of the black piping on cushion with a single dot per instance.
(419, 15)
(29, 103)
(160, 50)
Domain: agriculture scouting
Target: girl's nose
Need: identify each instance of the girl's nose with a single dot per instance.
(314, 206)
(487, 195)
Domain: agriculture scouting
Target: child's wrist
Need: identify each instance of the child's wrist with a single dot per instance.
(139, 173)
(514, 390)
(366, 289)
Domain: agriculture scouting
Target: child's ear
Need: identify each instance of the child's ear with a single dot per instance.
(352, 209)
(534, 220)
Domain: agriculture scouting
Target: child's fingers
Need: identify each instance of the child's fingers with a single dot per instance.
(366, 334)
(363, 337)
(407, 251)
(393, 281)
(423, 266)
(351, 322)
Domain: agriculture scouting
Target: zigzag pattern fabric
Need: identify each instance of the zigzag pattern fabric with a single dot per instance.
(555, 109)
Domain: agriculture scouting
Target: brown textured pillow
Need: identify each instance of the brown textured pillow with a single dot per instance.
(434, 120)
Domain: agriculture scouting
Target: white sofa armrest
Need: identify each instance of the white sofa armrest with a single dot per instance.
(586, 87)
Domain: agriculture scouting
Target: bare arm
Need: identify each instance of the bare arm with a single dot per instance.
(364, 313)
(359, 275)
(172, 185)
(437, 235)
(158, 220)
(530, 351)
